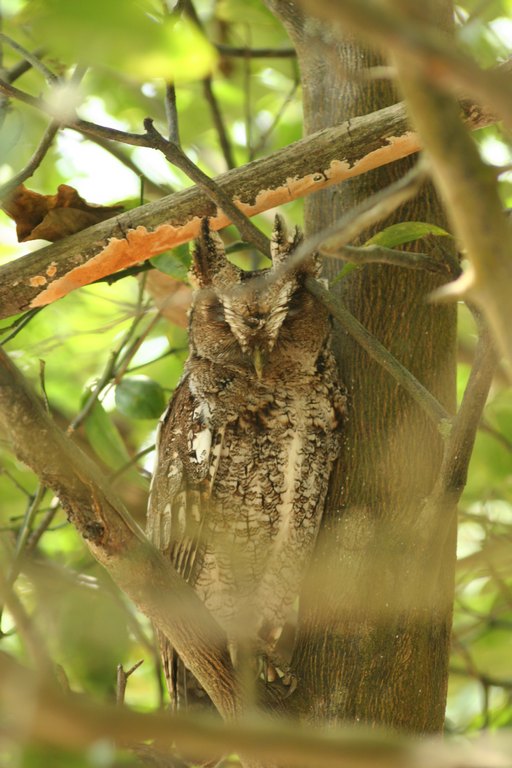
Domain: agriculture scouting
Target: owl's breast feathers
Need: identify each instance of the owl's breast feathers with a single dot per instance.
(240, 484)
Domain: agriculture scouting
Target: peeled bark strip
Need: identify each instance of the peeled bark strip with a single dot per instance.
(324, 158)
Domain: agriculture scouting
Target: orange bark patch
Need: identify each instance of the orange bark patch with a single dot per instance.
(141, 244)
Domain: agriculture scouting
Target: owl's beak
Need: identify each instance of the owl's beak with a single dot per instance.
(258, 360)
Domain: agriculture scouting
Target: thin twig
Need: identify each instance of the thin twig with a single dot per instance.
(378, 254)
(256, 53)
(277, 117)
(32, 58)
(370, 211)
(247, 101)
(114, 477)
(172, 113)
(430, 405)
(459, 446)
(26, 629)
(218, 122)
(209, 94)
(34, 162)
(110, 369)
(35, 536)
(19, 69)
(122, 681)
(177, 157)
(20, 323)
(26, 529)
(42, 370)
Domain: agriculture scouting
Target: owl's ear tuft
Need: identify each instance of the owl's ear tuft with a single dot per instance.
(209, 264)
(282, 244)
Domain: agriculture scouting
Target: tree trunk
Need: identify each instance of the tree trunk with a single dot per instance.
(374, 635)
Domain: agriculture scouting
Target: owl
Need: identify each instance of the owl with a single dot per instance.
(246, 446)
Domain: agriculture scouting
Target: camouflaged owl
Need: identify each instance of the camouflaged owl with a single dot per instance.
(247, 444)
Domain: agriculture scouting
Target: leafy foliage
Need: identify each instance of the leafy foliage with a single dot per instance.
(109, 340)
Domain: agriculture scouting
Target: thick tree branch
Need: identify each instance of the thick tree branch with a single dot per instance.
(322, 159)
(115, 540)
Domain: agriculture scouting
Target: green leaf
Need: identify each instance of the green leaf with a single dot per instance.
(405, 232)
(124, 36)
(175, 263)
(104, 437)
(347, 269)
(139, 397)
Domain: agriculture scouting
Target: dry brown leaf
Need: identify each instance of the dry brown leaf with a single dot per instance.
(52, 217)
(172, 297)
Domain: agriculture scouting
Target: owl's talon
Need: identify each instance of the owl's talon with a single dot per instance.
(290, 681)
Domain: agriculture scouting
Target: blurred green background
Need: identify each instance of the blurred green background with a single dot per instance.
(112, 342)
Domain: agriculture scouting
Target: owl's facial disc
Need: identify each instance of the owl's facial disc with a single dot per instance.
(255, 319)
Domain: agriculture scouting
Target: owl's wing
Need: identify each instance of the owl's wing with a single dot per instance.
(187, 449)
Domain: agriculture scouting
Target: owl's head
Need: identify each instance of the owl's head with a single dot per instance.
(244, 318)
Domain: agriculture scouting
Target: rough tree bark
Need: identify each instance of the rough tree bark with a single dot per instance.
(374, 635)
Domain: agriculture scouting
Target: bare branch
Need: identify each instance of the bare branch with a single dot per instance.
(225, 145)
(459, 446)
(34, 162)
(172, 113)
(177, 157)
(316, 162)
(218, 122)
(32, 58)
(378, 254)
(256, 53)
(381, 355)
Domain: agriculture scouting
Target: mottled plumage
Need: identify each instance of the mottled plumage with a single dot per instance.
(247, 444)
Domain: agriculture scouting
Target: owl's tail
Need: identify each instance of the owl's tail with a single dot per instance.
(184, 690)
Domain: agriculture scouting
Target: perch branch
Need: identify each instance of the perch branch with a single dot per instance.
(318, 161)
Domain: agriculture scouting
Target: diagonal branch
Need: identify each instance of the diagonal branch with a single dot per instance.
(116, 541)
(381, 355)
(175, 155)
(318, 161)
(34, 162)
